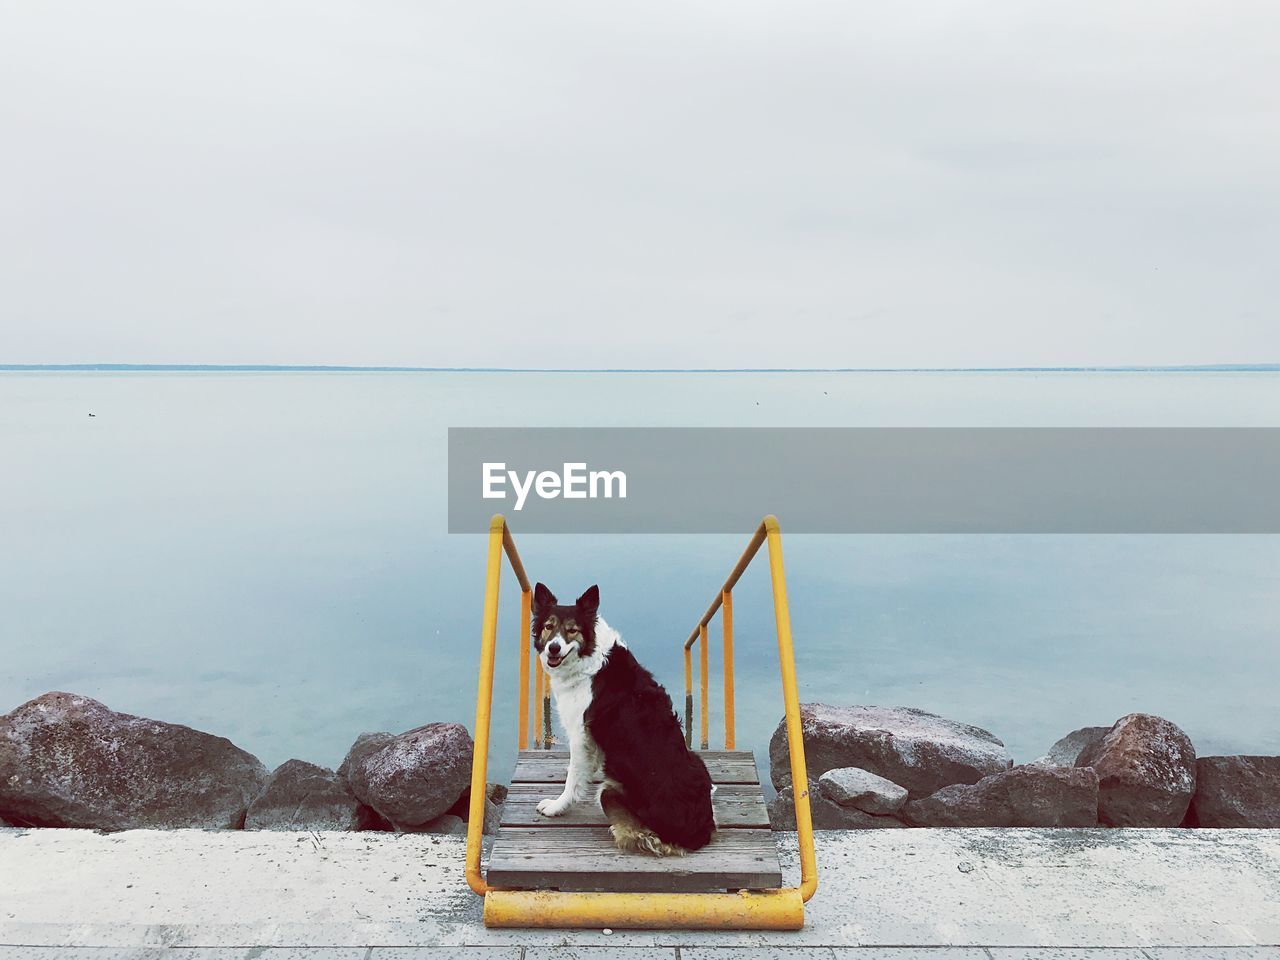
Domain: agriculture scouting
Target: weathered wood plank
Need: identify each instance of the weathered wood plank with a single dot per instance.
(737, 806)
(550, 766)
(585, 858)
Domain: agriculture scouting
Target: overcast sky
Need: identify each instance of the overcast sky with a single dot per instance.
(639, 184)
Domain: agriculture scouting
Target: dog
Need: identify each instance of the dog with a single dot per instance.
(656, 792)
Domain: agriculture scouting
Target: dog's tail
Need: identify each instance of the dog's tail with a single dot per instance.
(629, 833)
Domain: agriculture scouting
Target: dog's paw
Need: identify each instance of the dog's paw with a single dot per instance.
(554, 806)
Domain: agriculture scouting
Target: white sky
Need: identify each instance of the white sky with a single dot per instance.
(639, 184)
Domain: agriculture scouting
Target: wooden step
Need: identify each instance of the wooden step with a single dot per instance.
(737, 805)
(584, 858)
(550, 766)
(576, 851)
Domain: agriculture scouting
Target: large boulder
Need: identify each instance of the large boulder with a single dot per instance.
(1237, 792)
(413, 778)
(913, 748)
(825, 813)
(302, 796)
(1065, 752)
(862, 790)
(69, 761)
(1146, 770)
(366, 745)
(1029, 796)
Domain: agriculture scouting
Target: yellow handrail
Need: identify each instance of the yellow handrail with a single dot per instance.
(522, 723)
(499, 541)
(791, 697)
(726, 621)
(765, 909)
(768, 532)
(704, 681)
(723, 600)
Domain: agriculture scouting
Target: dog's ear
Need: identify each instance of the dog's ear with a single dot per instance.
(542, 597)
(589, 602)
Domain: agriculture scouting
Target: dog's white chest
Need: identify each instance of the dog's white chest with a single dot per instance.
(572, 700)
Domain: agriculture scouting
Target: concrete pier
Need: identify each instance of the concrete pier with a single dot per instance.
(883, 895)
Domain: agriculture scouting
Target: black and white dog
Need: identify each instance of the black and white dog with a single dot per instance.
(656, 793)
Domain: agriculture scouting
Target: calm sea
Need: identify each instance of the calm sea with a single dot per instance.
(264, 556)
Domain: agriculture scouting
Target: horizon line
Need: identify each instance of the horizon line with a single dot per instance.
(353, 368)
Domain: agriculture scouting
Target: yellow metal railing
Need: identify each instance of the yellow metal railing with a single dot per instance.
(745, 909)
(768, 532)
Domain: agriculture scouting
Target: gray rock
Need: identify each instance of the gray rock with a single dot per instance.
(414, 777)
(826, 814)
(1146, 770)
(445, 823)
(1029, 796)
(913, 748)
(863, 790)
(303, 796)
(1237, 792)
(366, 745)
(492, 817)
(368, 818)
(69, 761)
(495, 794)
(1067, 751)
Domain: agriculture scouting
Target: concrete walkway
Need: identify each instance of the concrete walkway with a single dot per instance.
(883, 895)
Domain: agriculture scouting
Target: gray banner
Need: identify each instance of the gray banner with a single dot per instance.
(866, 480)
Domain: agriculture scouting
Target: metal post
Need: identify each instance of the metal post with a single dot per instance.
(484, 704)
(703, 655)
(522, 710)
(726, 621)
(791, 698)
(688, 699)
(537, 703)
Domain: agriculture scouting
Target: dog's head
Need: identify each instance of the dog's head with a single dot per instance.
(562, 632)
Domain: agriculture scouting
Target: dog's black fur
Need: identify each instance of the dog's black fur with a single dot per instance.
(654, 784)
(663, 784)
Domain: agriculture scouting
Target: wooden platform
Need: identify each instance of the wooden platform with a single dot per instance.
(576, 852)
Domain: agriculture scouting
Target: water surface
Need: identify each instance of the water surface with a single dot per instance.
(264, 556)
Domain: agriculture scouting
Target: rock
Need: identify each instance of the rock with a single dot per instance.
(69, 761)
(368, 818)
(366, 745)
(912, 748)
(863, 790)
(1029, 796)
(826, 814)
(445, 823)
(492, 817)
(1066, 751)
(412, 778)
(1146, 770)
(492, 807)
(302, 796)
(1237, 792)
